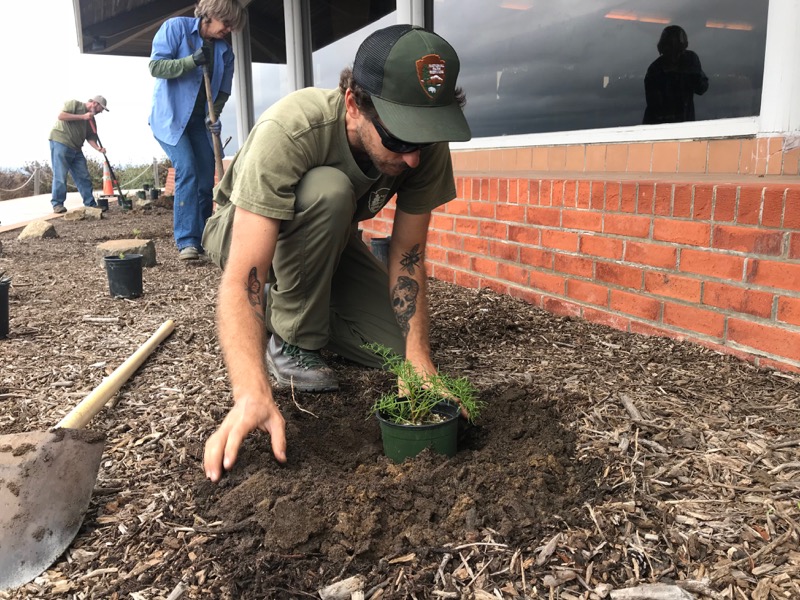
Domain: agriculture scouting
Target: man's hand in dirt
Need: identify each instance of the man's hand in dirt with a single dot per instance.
(248, 414)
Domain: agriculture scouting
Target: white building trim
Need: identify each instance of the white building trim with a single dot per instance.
(780, 94)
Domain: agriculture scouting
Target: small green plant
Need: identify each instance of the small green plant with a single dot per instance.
(121, 255)
(421, 393)
(136, 233)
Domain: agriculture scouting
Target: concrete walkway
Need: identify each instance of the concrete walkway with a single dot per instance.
(21, 211)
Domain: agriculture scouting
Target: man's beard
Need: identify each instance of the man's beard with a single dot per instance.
(393, 168)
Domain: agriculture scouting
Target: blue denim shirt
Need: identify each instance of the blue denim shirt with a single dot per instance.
(174, 99)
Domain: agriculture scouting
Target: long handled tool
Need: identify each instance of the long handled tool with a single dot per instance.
(47, 478)
(213, 118)
(108, 164)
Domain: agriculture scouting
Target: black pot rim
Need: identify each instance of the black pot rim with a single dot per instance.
(127, 257)
(446, 408)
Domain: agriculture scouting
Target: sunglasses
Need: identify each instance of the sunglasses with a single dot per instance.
(393, 144)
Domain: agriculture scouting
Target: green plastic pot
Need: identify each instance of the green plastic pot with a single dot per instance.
(406, 441)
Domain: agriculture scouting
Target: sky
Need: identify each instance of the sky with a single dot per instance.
(44, 68)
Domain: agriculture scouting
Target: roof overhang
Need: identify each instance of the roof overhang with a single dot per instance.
(127, 27)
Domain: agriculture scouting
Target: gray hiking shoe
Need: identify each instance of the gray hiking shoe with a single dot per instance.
(189, 253)
(303, 369)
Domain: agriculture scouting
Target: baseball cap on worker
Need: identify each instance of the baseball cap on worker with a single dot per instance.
(410, 74)
(101, 101)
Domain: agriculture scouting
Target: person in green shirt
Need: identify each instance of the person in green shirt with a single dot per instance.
(316, 163)
(75, 125)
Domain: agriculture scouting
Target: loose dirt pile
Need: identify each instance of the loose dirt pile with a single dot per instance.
(604, 460)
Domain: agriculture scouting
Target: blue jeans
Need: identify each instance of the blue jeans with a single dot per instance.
(68, 160)
(193, 160)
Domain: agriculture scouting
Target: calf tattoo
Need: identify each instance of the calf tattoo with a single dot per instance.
(254, 289)
(404, 301)
(411, 259)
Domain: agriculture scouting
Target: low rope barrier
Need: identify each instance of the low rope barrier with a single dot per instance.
(48, 184)
(137, 178)
(20, 187)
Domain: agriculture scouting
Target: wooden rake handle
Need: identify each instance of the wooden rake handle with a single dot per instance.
(96, 400)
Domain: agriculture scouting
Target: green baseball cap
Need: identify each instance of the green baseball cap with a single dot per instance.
(410, 74)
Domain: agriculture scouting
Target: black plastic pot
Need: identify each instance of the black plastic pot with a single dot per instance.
(153, 193)
(102, 204)
(124, 275)
(380, 248)
(5, 283)
(406, 441)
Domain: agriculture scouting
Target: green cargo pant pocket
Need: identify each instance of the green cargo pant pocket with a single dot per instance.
(217, 234)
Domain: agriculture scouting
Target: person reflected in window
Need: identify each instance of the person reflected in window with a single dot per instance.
(673, 79)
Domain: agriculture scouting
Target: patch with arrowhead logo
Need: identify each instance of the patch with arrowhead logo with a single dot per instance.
(430, 71)
(378, 199)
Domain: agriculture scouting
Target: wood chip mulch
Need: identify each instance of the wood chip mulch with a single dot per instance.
(607, 465)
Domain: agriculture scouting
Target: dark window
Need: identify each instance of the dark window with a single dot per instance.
(531, 66)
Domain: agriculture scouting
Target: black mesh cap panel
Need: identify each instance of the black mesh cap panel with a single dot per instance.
(372, 55)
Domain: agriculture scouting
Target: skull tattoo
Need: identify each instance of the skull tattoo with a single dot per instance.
(404, 301)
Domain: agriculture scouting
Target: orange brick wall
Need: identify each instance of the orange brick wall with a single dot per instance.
(742, 156)
(713, 262)
(169, 186)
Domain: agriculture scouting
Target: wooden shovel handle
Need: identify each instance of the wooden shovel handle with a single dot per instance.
(213, 118)
(96, 400)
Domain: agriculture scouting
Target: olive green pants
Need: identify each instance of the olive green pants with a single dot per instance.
(328, 290)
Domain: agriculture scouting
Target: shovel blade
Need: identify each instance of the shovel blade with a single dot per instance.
(46, 482)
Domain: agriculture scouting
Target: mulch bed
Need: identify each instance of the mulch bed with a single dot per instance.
(606, 465)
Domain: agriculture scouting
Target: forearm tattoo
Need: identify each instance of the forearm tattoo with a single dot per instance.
(404, 302)
(254, 291)
(411, 259)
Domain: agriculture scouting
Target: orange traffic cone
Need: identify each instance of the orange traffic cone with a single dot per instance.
(108, 185)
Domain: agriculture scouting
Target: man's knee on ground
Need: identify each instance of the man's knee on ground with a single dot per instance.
(327, 191)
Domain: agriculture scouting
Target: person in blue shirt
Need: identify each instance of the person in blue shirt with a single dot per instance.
(182, 48)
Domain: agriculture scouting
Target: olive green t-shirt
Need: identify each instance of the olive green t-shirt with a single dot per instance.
(73, 133)
(306, 129)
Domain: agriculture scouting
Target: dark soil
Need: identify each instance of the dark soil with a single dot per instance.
(606, 445)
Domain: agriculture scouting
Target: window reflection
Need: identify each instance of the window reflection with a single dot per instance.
(270, 84)
(530, 66)
(673, 79)
(330, 60)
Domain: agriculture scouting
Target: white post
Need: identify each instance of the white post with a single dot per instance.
(243, 82)
(297, 19)
(411, 12)
(780, 93)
